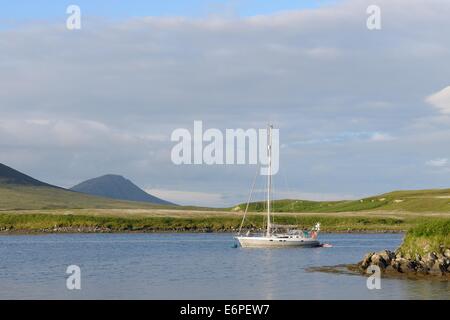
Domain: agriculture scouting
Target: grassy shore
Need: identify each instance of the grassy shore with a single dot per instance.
(427, 236)
(197, 221)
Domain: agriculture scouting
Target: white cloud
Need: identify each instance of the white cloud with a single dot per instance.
(106, 100)
(441, 100)
(68, 133)
(345, 137)
(312, 196)
(439, 162)
(378, 136)
(189, 197)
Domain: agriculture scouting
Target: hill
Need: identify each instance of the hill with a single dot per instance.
(117, 187)
(435, 200)
(11, 176)
(20, 191)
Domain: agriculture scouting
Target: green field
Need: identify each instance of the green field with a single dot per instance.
(151, 221)
(18, 197)
(437, 200)
(49, 209)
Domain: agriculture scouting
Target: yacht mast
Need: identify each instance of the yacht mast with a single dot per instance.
(269, 179)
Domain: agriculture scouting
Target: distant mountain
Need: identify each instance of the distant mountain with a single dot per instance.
(117, 187)
(11, 176)
(21, 192)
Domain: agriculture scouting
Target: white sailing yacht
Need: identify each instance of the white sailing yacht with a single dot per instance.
(277, 235)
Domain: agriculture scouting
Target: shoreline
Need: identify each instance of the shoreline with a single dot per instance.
(353, 269)
(424, 253)
(84, 221)
(195, 231)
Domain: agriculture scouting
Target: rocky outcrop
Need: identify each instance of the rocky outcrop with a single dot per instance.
(433, 263)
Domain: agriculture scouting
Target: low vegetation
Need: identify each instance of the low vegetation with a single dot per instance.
(43, 208)
(437, 200)
(427, 236)
(28, 222)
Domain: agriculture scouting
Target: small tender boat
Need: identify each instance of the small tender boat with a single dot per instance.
(277, 235)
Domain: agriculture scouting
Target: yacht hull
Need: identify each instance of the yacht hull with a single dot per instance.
(274, 242)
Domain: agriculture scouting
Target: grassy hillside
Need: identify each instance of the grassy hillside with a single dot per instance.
(20, 197)
(19, 191)
(24, 197)
(437, 200)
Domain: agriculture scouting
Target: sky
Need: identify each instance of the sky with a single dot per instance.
(360, 111)
(23, 10)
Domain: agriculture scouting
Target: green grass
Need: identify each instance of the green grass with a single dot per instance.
(47, 222)
(412, 201)
(41, 209)
(427, 236)
(15, 197)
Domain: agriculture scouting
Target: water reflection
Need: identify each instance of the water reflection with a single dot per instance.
(194, 266)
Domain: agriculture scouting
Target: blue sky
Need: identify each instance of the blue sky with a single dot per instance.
(50, 9)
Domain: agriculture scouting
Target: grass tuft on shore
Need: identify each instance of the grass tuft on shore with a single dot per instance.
(429, 235)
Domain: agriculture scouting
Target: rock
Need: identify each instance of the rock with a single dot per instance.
(378, 260)
(390, 269)
(430, 257)
(432, 263)
(366, 261)
(446, 263)
(404, 265)
(396, 264)
(387, 255)
(447, 253)
(422, 268)
(437, 269)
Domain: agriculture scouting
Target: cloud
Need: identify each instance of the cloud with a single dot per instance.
(345, 137)
(67, 133)
(311, 196)
(439, 162)
(378, 136)
(75, 105)
(189, 197)
(441, 100)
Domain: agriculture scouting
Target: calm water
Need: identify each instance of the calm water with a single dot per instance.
(193, 266)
